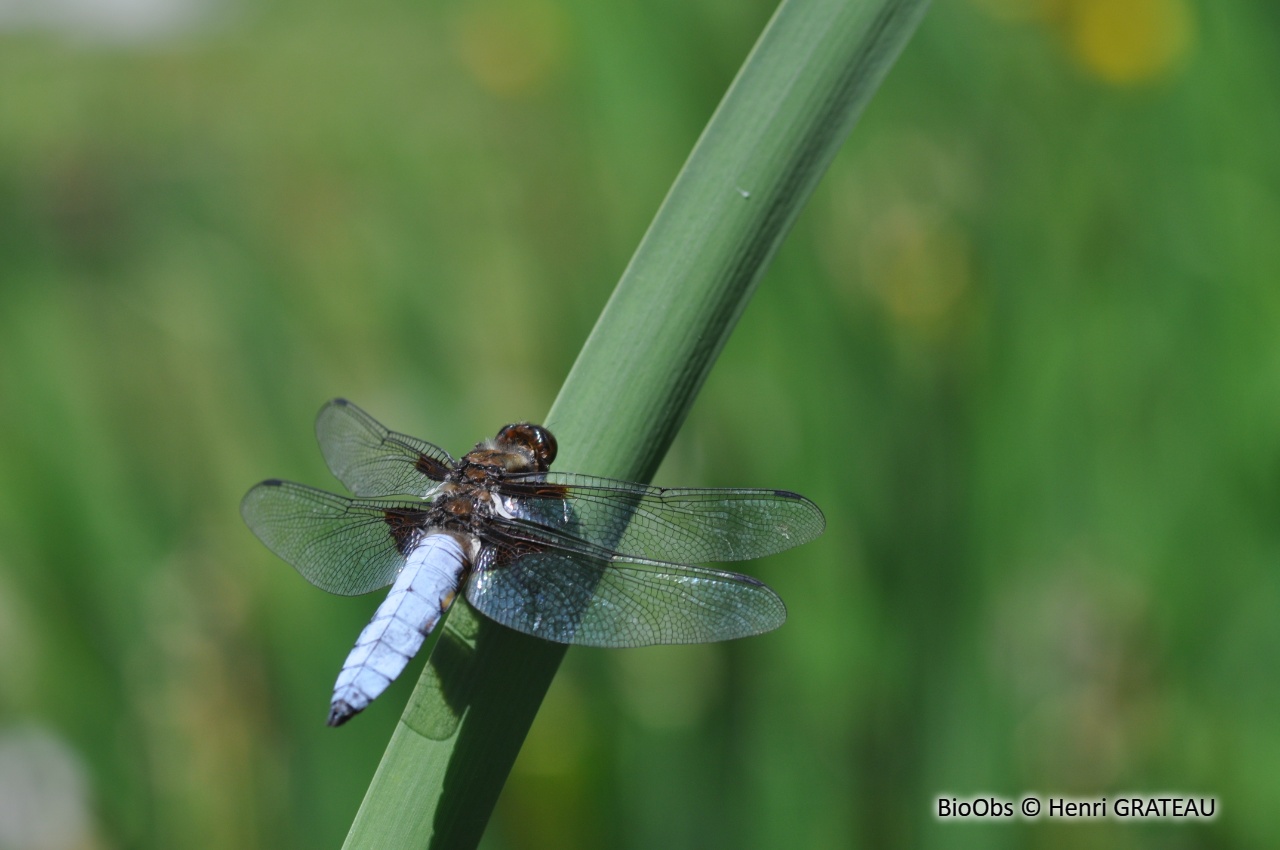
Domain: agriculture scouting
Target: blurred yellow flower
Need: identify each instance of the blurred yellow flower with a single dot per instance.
(1127, 41)
(1120, 41)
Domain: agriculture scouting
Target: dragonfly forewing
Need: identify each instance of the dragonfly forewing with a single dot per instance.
(371, 460)
(688, 525)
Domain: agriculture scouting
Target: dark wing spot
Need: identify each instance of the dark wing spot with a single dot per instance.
(552, 491)
(405, 526)
(432, 468)
(511, 550)
(538, 489)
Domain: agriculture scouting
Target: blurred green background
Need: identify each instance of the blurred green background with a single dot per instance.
(1022, 347)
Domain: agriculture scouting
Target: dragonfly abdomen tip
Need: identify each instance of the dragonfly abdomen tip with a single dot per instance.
(340, 712)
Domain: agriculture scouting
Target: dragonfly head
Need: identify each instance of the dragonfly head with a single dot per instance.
(534, 440)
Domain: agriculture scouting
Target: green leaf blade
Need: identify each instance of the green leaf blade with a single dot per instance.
(782, 121)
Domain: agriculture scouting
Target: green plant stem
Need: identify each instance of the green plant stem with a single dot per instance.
(792, 105)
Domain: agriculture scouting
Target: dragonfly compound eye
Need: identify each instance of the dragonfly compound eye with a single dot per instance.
(535, 438)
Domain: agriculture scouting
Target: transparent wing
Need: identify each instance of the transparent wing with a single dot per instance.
(684, 525)
(591, 600)
(444, 691)
(341, 545)
(372, 461)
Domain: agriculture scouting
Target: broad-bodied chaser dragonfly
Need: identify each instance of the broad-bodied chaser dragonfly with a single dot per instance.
(569, 558)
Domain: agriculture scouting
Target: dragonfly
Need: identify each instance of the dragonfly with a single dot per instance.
(571, 558)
